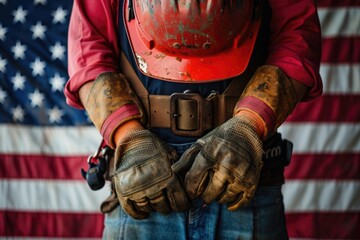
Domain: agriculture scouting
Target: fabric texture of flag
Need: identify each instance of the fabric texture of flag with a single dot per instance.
(44, 143)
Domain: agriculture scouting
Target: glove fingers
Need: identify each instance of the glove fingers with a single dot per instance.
(144, 205)
(132, 210)
(195, 186)
(160, 203)
(187, 159)
(215, 188)
(228, 196)
(197, 178)
(233, 191)
(244, 198)
(177, 197)
(110, 203)
(239, 202)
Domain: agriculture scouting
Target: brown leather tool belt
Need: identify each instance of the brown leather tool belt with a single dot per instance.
(187, 113)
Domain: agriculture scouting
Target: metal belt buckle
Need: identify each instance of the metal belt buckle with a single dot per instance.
(174, 114)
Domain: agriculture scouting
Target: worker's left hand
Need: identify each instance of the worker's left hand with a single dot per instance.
(224, 165)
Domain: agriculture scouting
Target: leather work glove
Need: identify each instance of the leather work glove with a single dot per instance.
(141, 169)
(144, 181)
(225, 164)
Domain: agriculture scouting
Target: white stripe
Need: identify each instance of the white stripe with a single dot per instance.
(323, 137)
(307, 137)
(327, 195)
(48, 140)
(73, 196)
(49, 195)
(342, 21)
(340, 78)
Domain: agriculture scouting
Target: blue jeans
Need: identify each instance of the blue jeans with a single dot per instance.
(263, 218)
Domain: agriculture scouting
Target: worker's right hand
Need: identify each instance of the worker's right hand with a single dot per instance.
(143, 180)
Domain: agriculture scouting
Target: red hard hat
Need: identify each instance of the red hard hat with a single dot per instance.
(192, 40)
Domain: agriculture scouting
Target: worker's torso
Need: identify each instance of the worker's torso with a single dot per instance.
(161, 87)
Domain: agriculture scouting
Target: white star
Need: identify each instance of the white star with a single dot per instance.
(3, 2)
(43, 2)
(19, 50)
(19, 15)
(3, 63)
(57, 83)
(3, 95)
(19, 81)
(37, 67)
(59, 15)
(36, 98)
(38, 30)
(55, 115)
(3, 31)
(57, 51)
(18, 113)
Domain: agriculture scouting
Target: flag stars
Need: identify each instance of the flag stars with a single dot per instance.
(19, 15)
(18, 114)
(3, 2)
(37, 67)
(19, 81)
(3, 95)
(38, 30)
(57, 83)
(42, 2)
(59, 15)
(55, 115)
(3, 63)
(19, 50)
(3, 32)
(36, 98)
(57, 51)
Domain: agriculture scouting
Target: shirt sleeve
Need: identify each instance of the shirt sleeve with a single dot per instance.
(92, 44)
(295, 43)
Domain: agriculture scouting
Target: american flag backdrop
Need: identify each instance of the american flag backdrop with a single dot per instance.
(44, 143)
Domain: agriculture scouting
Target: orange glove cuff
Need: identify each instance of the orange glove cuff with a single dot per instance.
(261, 112)
(123, 130)
(255, 120)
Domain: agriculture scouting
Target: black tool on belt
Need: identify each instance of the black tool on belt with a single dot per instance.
(97, 167)
(277, 155)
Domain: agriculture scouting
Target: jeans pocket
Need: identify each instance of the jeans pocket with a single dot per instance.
(269, 214)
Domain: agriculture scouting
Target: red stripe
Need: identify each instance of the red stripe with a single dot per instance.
(49, 224)
(41, 167)
(341, 50)
(337, 3)
(328, 108)
(303, 166)
(324, 225)
(324, 166)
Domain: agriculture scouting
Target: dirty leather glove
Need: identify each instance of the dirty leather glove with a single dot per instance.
(144, 181)
(224, 165)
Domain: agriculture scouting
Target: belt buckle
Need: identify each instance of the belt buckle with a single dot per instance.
(201, 104)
